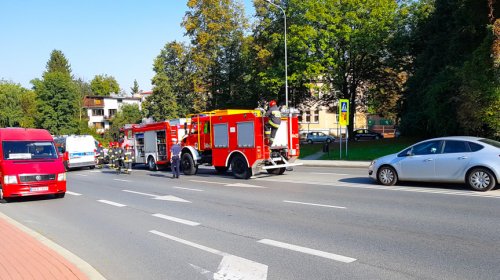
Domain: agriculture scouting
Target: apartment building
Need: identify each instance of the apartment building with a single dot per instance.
(102, 109)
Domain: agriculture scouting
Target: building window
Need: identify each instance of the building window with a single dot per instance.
(97, 112)
(310, 116)
(112, 112)
(315, 116)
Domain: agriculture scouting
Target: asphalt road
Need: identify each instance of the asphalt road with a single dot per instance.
(312, 223)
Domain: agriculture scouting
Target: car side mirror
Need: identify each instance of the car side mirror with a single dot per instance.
(409, 153)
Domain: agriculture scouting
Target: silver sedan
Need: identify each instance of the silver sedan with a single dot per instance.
(461, 159)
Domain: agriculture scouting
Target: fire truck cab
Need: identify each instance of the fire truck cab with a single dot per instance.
(235, 139)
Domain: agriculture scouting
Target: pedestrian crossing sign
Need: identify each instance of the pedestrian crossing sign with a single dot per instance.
(344, 112)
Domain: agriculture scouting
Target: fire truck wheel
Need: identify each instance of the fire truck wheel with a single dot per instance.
(277, 171)
(240, 167)
(188, 166)
(221, 169)
(152, 164)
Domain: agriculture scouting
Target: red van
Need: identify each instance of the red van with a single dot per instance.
(29, 164)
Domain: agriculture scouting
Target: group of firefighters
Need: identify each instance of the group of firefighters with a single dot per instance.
(117, 157)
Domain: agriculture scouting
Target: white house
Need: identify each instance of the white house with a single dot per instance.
(101, 109)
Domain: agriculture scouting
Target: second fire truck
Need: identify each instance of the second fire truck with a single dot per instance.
(151, 142)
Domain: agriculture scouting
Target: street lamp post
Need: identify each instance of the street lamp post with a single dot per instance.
(286, 57)
(286, 81)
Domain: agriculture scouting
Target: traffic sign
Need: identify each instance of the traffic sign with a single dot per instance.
(344, 112)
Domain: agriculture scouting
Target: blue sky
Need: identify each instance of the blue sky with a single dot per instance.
(119, 38)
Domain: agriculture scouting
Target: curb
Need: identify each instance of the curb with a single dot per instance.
(82, 265)
(334, 163)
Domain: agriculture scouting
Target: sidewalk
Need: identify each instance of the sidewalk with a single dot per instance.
(25, 254)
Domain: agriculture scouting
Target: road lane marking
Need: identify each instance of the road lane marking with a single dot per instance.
(83, 175)
(160, 197)
(189, 243)
(231, 267)
(146, 194)
(112, 203)
(241, 185)
(73, 193)
(314, 204)
(177, 220)
(208, 182)
(306, 250)
(121, 180)
(171, 198)
(188, 189)
(95, 171)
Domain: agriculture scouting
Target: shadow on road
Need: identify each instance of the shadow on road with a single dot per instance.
(369, 181)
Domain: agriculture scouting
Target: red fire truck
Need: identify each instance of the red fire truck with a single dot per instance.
(151, 142)
(236, 139)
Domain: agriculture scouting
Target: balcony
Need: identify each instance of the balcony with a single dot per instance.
(90, 102)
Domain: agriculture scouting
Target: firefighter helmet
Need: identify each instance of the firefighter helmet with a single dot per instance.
(272, 103)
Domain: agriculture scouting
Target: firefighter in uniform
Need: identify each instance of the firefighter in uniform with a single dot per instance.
(111, 153)
(100, 156)
(119, 155)
(274, 115)
(129, 158)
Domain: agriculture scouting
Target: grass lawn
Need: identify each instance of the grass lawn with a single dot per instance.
(360, 150)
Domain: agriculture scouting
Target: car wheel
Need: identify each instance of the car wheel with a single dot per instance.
(188, 165)
(152, 164)
(481, 179)
(387, 176)
(377, 137)
(356, 138)
(309, 141)
(328, 140)
(240, 167)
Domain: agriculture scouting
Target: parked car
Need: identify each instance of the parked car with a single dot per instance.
(470, 160)
(366, 134)
(319, 137)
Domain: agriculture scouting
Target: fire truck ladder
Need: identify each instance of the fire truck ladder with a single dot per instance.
(276, 165)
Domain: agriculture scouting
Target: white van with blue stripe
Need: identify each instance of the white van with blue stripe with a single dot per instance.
(79, 150)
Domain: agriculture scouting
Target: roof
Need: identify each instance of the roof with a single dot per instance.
(24, 134)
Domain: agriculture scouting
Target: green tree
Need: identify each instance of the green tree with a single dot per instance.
(454, 82)
(58, 63)
(83, 89)
(335, 48)
(173, 66)
(216, 29)
(17, 105)
(128, 114)
(104, 85)
(135, 88)
(57, 98)
(161, 105)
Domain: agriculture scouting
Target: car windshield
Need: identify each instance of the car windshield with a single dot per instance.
(490, 142)
(26, 150)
